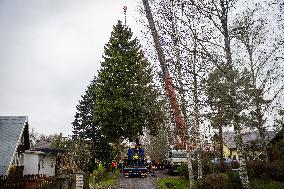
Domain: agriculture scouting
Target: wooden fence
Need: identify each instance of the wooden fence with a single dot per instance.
(37, 182)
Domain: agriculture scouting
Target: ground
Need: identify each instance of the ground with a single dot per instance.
(149, 182)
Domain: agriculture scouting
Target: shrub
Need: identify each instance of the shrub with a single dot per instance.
(266, 170)
(276, 170)
(234, 180)
(257, 169)
(214, 181)
(183, 170)
(99, 173)
(221, 167)
(207, 168)
(235, 165)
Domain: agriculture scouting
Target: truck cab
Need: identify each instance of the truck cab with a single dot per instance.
(134, 164)
(175, 159)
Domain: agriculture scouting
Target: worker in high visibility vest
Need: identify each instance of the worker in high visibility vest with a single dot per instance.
(113, 166)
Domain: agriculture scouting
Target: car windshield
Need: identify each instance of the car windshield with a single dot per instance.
(179, 154)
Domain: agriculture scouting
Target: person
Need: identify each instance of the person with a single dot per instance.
(120, 166)
(113, 166)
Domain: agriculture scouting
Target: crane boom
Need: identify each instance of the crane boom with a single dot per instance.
(179, 119)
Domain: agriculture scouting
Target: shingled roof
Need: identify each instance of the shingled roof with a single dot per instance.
(229, 137)
(45, 146)
(11, 130)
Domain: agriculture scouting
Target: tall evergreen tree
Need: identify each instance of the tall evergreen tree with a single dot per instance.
(88, 133)
(126, 100)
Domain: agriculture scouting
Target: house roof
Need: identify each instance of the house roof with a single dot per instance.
(46, 146)
(11, 129)
(42, 144)
(248, 137)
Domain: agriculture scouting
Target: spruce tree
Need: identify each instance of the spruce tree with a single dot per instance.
(88, 133)
(126, 100)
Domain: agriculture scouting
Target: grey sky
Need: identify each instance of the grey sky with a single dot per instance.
(49, 52)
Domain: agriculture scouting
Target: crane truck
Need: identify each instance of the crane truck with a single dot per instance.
(179, 156)
(134, 163)
(181, 134)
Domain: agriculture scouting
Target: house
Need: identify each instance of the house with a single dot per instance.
(16, 157)
(14, 141)
(251, 143)
(41, 159)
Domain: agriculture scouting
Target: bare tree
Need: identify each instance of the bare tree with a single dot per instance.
(264, 66)
(217, 13)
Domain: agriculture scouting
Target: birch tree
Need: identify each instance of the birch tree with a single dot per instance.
(217, 13)
(264, 67)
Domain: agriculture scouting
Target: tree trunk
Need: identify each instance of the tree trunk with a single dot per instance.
(231, 79)
(257, 96)
(196, 128)
(190, 171)
(242, 161)
(221, 143)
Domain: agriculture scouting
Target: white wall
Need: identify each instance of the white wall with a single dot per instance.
(47, 164)
(31, 163)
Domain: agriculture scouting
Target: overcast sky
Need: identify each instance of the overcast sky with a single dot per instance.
(49, 52)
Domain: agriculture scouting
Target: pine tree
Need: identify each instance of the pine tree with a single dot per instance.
(88, 133)
(126, 100)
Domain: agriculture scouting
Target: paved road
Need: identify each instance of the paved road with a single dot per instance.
(138, 183)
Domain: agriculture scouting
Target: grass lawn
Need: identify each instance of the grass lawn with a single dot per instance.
(108, 180)
(178, 183)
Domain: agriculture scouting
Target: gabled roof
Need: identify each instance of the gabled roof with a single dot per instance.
(248, 137)
(11, 129)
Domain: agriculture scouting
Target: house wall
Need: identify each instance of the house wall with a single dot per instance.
(47, 165)
(226, 151)
(39, 164)
(31, 163)
(234, 152)
(229, 152)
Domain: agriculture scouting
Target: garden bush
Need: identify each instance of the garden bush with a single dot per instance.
(266, 170)
(214, 181)
(235, 165)
(257, 169)
(183, 170)
(221, 167)
(207, 168)
(276, 170)
(234, 180)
